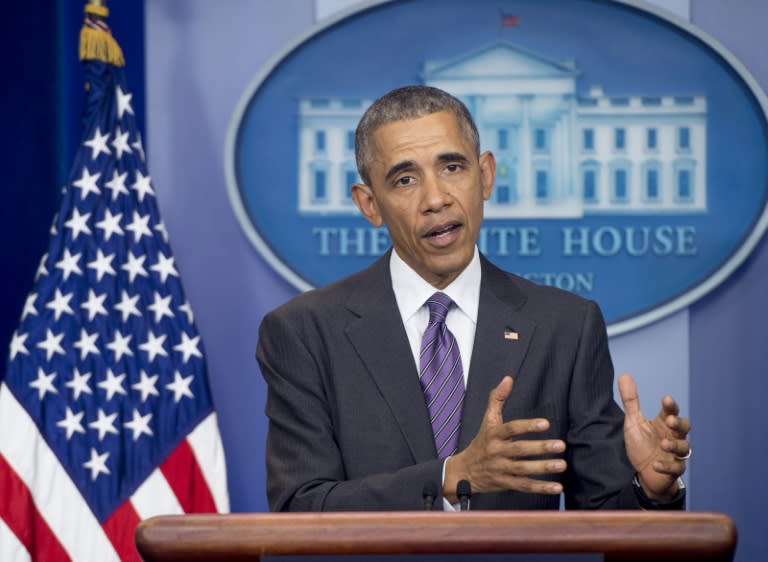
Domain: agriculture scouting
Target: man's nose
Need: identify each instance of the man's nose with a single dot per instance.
(435, 194)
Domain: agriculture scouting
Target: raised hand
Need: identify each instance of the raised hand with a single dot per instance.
(496, 460)
(656, 448)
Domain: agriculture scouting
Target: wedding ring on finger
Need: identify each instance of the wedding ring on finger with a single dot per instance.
(687, 455)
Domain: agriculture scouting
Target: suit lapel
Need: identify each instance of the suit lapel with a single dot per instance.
(502, 338)
(379, 338)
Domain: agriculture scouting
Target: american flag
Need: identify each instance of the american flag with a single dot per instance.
(106, 416)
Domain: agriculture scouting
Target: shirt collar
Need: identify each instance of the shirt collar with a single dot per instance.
(412, 291)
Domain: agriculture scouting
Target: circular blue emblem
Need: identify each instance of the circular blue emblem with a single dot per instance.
(630, 146)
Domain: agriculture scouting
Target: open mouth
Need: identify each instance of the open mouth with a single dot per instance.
(443, 230)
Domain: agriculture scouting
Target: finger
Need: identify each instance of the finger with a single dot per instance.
(534, 468)
(532, 486)
(677, 447)
(516, 428)
(680, 426)
(531, 448)
(629, 397)
(669, 406)
(497, 398)
(670, 468)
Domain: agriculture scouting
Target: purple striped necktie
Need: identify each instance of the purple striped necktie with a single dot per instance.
(441, 376)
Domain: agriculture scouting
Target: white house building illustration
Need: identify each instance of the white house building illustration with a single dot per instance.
(560, 153)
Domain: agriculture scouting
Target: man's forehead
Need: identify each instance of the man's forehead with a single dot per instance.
(443, 116)
(440, 129)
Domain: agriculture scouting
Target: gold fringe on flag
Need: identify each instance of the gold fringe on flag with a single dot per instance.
(96, 41)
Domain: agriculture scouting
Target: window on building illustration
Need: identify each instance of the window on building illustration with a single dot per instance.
(684, 138)
(620, 187)
(684, 187)
(320, 103)
(506, 188)
(588, 139)
(350, 177)
(619, 138)
(320, 141)
(503, 139)
(321, 187)
(502, 194)
(542, 185)
(651, 139)
(652, 184)
(350, 141)
(590, 186)
(540, 139)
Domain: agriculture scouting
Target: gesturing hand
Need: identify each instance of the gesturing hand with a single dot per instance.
(656, 448)
(496, 460)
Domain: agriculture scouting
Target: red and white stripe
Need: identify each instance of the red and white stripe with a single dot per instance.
(45, 518)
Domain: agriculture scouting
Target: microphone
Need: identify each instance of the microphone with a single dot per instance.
(429, 493)
(464, 493)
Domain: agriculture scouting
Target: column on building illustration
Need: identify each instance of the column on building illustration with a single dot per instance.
(504, 142)
(527, 195)
(568, 147)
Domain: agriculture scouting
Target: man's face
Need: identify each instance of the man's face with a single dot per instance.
(428, 187)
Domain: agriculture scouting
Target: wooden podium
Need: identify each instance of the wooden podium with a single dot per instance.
(618, 535)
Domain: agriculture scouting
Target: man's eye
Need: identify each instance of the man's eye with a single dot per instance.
(453, 167)
(405, 180)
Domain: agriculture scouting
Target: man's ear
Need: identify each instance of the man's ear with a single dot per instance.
(363, 197)
(487, 172)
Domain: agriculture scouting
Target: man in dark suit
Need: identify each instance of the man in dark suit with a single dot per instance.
(523, 409)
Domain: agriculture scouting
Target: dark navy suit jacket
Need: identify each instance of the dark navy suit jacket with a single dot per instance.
(348, 427)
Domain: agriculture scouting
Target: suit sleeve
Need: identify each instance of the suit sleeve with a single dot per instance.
(305, 466)
(600, 474)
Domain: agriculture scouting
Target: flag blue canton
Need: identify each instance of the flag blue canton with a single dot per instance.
(107, 359)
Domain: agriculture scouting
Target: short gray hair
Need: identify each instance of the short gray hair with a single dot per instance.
(408, 102)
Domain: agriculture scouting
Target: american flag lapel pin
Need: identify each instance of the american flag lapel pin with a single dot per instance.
(510, 334)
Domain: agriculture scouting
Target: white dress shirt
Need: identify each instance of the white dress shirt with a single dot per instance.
(412, 292)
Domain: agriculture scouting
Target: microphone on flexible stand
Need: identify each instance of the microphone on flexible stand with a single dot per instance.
(464, 493)
(429, 493)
